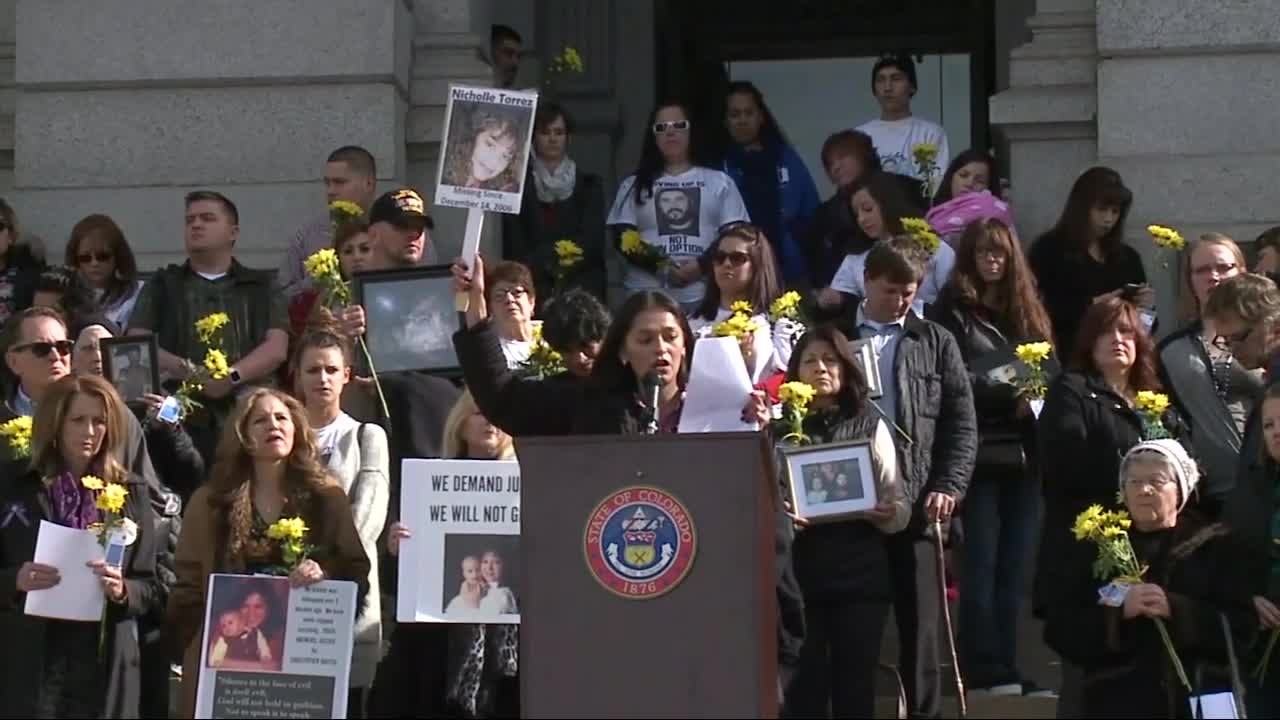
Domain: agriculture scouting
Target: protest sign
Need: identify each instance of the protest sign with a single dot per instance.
(462, 562)
(485, 151)
(271, 651)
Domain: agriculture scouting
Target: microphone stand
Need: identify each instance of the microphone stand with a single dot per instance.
(653, 395)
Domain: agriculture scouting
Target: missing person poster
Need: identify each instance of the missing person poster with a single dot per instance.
(271, 651)
(485, 148)
(461, 562)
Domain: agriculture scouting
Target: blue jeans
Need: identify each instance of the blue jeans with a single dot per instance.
(1001, 522)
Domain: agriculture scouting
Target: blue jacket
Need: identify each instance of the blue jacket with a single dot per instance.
(797, 200)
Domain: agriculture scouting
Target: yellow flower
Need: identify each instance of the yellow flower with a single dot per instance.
(92, 482)
(924, 153)
(631, 242)
(920, 231)
(1165, 237)
(216, 362)
(294, 528)
(111, 499)
(787, 306)
(344, 211)
(1088, 522)
(741, 307)
(797, 394)
(568, 253)
(208, 326)
(915, 225)
(736, 326)
(1152, 403)
(322, 264)
(18, 433)
(1033, 353)
(572, 59)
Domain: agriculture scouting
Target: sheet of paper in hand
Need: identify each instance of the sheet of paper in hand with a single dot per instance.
(718, 388)
(462, 562)
(78, 595)
(269, 650)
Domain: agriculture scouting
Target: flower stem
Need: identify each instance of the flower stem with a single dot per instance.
(376, 383)
(1173, 654)
(1260, 672)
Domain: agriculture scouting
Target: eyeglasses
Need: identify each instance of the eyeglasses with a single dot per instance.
(1226, 342)
(42, 349)
(87, 257)
(661, 127)
(1155, 482)
(992, 254)
(515, 292)
(1218, 269)
(736, 258)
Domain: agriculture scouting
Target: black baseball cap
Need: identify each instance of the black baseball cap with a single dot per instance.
(403, 207)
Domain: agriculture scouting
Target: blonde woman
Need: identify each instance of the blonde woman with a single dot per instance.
(266, 469)
(78, 429)
(1210, 387)
(478, 662)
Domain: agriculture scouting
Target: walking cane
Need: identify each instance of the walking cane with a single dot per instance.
(946, 617)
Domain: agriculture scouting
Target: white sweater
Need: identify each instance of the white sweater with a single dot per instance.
(360, 463)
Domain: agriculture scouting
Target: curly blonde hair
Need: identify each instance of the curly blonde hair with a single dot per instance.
(462, 145)
(46, 427)
(231, 478)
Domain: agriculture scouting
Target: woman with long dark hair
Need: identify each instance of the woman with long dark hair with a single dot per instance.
(98, 249)
(742, 264)
(676, 205)
(1089, 421)
(972, 171)
(561, 202)
(842, 566)
(267, 468)
(777, 188)
(1084, 258)
(19, 267)
(990, 305)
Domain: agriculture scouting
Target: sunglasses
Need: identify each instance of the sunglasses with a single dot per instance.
(661, 127)
(42, 349)
(87, 257)
(736, 258)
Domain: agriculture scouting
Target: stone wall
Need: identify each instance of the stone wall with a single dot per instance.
(139, 102)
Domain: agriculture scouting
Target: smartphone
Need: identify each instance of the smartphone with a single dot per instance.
(115, 554)
(169, 411)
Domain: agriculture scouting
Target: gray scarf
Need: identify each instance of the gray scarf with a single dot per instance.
(554, 186)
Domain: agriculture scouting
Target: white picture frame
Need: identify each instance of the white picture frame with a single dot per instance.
(864, 351)
(485, 147)
(830, 482)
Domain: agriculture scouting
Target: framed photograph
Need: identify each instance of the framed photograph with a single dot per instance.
(830, 482)
(485, 153)
(131, 363)
(1003, 366)
(865, 353)
(410, 319)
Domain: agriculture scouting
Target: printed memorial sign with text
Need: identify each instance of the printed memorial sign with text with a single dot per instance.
(485, 148)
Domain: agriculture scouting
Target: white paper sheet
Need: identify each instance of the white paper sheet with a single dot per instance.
(79, 594)
(1214, 705)
(718, 389)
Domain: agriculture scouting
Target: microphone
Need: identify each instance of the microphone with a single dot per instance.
(652, 390)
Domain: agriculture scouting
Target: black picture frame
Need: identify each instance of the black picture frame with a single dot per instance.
(410, 318)
(133, 387)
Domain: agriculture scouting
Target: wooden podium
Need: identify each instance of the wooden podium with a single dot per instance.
(648, 576)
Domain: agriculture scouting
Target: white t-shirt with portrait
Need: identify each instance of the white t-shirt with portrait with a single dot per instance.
(682, 217)
(894, 139)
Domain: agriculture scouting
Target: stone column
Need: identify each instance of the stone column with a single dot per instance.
(1187, 97)
(1048, 113)
(8, 15)
(138, 102)
(450, 44)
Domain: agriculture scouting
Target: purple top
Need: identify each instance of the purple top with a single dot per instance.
(71, 503)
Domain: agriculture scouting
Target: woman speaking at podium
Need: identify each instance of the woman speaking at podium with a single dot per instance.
(647, 349)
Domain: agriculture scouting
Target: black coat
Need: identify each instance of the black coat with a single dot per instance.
(1084, 431)
(554, 407)
(1126, 667)
(1003, 436)
(935, 410)
(531, 236)
(22, 664)
(1250, 504)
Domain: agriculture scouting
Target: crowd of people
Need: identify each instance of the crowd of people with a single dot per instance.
(915, 253)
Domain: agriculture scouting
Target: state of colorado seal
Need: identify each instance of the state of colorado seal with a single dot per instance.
(640, 542)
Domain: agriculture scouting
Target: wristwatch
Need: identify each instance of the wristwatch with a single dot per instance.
(234, 376)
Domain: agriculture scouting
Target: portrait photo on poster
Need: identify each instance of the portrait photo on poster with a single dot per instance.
(482, 576)
(485, 148)
(869, 362)
(247, 618)
(410, 319)
(830, 482)
(679, 211)
(132, 365)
